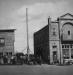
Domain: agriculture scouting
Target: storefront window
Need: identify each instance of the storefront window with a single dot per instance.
(1, 54)
(72, 53)
(66, 53)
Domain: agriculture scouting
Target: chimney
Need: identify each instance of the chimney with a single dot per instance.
(49, 20)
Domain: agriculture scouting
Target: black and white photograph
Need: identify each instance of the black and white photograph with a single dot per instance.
(36, 37)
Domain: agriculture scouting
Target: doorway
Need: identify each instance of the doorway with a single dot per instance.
(54, 57)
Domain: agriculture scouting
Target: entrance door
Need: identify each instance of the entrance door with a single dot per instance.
(54, 57)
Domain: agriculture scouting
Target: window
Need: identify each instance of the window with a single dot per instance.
(67, 46)
(54, 46)
(66, 53)
(72, 53)
(54, 33)
(68, 32)
(70, 46)
(6, 53)
(2, 42)
(62, 46)
(10, 53)
(1, 54)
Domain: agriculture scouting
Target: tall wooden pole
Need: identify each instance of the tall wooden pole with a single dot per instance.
(27, 33)
(59, 40)
(61, 62)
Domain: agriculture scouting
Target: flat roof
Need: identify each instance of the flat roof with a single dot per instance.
(7, 30)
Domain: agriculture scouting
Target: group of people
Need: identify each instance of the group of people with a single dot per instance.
(14, 59)
(6, 59)
(19, 59)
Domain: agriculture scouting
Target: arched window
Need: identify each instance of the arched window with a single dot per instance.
(67, 24)
(69, 32)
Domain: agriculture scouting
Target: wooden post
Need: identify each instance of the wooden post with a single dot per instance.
(27, 34)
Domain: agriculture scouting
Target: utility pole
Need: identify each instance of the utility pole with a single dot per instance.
(60, 42)
(27, 34)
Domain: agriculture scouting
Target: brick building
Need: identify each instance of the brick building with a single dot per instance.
(7, 41)
(55, 39)
(41, 44)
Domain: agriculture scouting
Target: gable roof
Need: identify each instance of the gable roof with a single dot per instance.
(67, 15)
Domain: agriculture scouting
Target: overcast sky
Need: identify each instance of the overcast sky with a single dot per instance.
(13, 15)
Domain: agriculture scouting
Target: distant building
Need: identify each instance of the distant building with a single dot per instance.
(7, 39)
(55, 40)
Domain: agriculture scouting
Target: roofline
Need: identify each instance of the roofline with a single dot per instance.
(7, 30)
(66, 14)
(40, 29)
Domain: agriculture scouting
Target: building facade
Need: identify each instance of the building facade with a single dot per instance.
(41, 44)
(59, 39)
(7, 39)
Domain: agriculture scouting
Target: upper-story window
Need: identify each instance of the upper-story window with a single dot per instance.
(54, 46)
(68, 32)
(2, 42)
(54, 33)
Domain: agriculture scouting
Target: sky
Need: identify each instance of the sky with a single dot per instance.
(13, 15)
